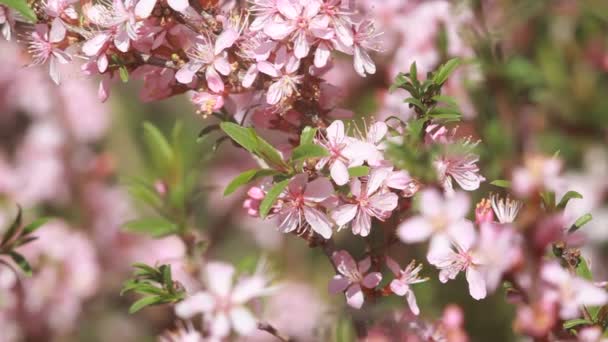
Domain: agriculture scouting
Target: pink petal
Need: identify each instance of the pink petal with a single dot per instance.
(335, 132)
(477, 284)
(339, 172)
(415, 229)
(275, 93)
(318, 190)
(439, 249)
(222, 65)
(92, 46)
(53, 70)
(289, 220)
(250, 76)
(195, 304)
(458, 205)
(214, 81)
(218, 277)
(364, 265)
(344, 262)
(463, 234)
(363, 62)
(377, 132)
(385, 202)
(268, 69)
(178, 5)
(58, 31)
(322, 55)
(376, 178)
(372, 280)
(399, 288)
(344, 214)
(102, 63)
(398, 180)
(431, 202)
(144, 8)
(279, 30)
(338, 284)
(243, 321)
(220, 325)
(318, 222)
(354, 296)
(393, 266)
(225, 40)
(187, 72)
(301, 45)
(362, 224)
(411, 301)
(122, 41)
(287, 8)
(103, 92)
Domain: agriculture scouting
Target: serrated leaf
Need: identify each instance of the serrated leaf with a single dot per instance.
(143, 302)
(240, 135)
(35, 225)
(247, 177)
(501, 183)
(22, 7)
(358, 171)
(567, 197)
(272, 196)
(22, 262)
(308, 135)
(155, 226)
(158, 146)
(307, 151)
(581, 221)
(575, 322)
(445, 71)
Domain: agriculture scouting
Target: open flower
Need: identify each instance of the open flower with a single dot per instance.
(571, 292)
(284, 74)
(440, 219)
(203, 55)
(459, 256)
(369, 201)
(336, 143)
(403, 279)
(352, 277)
(299, 206)
(42, 46)
(223, 304)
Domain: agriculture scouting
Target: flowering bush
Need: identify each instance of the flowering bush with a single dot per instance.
(455, 174)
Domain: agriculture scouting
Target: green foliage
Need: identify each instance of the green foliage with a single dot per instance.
(358, 171)
(566, 198)
(501, 183)
(246, 178)
(154, 226)
(18, 235)
(307, 136)
(156, 284)
(581, 221)
(308, 151)
(576, 322)
(271, 197)
(22, 7)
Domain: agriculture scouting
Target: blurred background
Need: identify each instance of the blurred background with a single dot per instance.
(535, 80)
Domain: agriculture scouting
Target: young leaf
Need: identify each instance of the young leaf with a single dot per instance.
(22, 7)
(123, 73)
(307, 151)
(358, 171)
(567, 197)
(240, 135)
(12, 230)
(23, 264)
(576, 322)
(581, 221)
(583, 271)
(271, 197)
(501, 183)
(144, 193)
(308, 135)
(167, 278)
(159, 146)
(445, 71)
(155, 226)
(267, 152)
(415, 102)
(143, 302)
(247, 177)
(32, 227)
(415, 127)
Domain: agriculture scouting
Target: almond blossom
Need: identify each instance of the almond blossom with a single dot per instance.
(364, 39)
(441, 220)
(368, 201)
(58, 8)
(283, 72)
(571, 292)
(352, 277)
(499, 247)
(224, 303)
(460, 256)
(403, 279)
(204, 55)
(43, 47)
(340, 152)
(299, 206)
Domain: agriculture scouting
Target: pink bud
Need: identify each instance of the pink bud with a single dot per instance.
(160, 187)
(453, 317)
(256, 193)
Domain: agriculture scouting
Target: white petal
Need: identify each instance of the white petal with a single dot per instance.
(243, 321)
(318, 222)
(218, 277)
(415, 229)
(344, 214)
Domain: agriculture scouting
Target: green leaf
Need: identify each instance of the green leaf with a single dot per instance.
(415, 102)
(447, 116)
(400, 80)
(23, 264)
(445, 71)
(271, 197)
(143, 269)
(413, 72)
(358, 171)
(240, 135)
(267, 152)
(12, 230)
(22, 7)
(167, 278)
(307, 151)
(143, 302)
(581, 221)
(501, 183)
(308, 135)
(567, 197)
(145, 194)
(247, 177)
(155, 226)
(450, 101)
(548, 198)
(159, 146)
(415, 127)
(35, 225)
(582, 270)
(124, 74)
(576, 322)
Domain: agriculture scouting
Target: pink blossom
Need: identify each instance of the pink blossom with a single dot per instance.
(224, 304)
(368, 201)
(538, 172)
(252, 203)
(203, 55)
(459, 257)
(300, 203)
(207, 102)
(352, 277)
(365, 38)
(42, 46)
(571, 292)
(284, 74)
(336, 142)
(158, 82)
(403, 279)
(483, 212)
(58, 8)
(499, 248)
(441, 220)
(462, 168)
(119, 20)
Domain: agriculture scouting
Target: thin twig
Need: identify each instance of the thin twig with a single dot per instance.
(267, 327)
